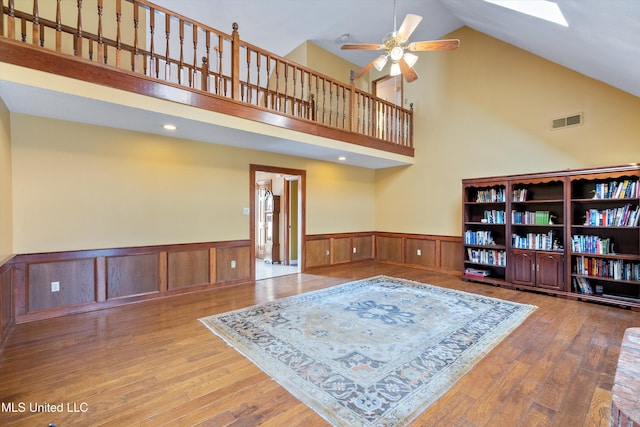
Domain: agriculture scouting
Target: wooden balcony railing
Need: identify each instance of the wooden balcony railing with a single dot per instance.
(143, 38)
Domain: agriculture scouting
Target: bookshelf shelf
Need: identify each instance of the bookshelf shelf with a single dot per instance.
(561, 232)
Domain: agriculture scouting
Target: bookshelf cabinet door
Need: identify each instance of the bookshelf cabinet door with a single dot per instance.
(550, 270)
(523, 267)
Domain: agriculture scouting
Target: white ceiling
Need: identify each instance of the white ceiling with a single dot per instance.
(602, 40)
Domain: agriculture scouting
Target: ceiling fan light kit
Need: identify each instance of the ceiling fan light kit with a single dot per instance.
(396, 47)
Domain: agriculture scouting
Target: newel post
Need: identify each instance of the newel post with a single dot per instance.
(235, 62)
(352, 102)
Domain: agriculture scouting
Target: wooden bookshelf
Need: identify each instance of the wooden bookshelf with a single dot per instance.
(573, 233)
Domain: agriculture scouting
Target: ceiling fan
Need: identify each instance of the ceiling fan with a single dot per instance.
(398, 49)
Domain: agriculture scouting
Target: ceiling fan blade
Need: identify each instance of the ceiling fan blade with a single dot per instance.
(450, 44)
(408, 72)
(408, 26)
(364, 70)
(363, 46)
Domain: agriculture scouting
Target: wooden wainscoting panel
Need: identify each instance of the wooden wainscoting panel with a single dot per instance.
(450, 258)
(6, 302)
(318, 252)
(240, 257)
(131, 275)
(76, 280)
(427, 249)
(389, 248)
(364, 247)
(340, 250)
(188, 268)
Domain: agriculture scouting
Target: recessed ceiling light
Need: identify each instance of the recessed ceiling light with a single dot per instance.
(169, 127)
(543, 9)
(342, 158)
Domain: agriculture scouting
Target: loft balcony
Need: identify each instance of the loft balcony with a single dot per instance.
(134, 65)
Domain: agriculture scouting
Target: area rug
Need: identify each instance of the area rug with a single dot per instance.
(375, 352)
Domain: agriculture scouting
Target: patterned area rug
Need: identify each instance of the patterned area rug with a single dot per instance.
(375, 352)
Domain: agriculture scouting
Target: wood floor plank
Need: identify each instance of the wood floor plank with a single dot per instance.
(153, 363)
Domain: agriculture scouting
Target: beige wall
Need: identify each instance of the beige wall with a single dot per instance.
(312, 56)
(6, 222)
(85, 186)
(485, 110)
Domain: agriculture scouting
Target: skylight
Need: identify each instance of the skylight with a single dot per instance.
(543, 9)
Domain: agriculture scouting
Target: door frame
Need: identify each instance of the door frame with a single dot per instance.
(253, 168)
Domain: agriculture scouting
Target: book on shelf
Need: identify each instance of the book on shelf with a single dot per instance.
(476, 272)
(624, 216)
(479, 237)
(520, 195)
(626, 189)
(547, 241)
(591, 244)
(582, 285)
(491, 195)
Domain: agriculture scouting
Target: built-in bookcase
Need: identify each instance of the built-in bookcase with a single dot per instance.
(574, 233)
(605, 236)
(484, 231)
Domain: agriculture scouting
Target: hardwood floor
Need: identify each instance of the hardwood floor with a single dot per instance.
(154, 364)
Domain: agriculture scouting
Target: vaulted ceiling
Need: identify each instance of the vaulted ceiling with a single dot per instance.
(602, 39)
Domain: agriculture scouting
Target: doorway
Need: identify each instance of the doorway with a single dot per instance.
(277, 220)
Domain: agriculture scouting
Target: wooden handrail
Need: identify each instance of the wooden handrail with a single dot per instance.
(182, 51)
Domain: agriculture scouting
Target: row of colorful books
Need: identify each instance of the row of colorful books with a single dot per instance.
(616, 269)
(479, 237)
(591, 244)
(547, 241)
(487, 256)
(582, 285)
(491, 195)
(493, 217)
(519, 195)
(527, 217)
(625, 216)
(616, 190)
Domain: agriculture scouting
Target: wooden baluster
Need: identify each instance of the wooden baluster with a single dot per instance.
(324, 100)
(344, 108)
(90, 49)
(152, 50)
(35, 27)
(286, 86)
(220, 82)
(11, 21)
(100, 35)
(181, 61)
(316, 115)
(206, 61)
(167, 30)
(268, 96)
(77, 48)
(192, 72)
(2, 18)
(58, 27)
(304, 111)
(118, 34)
(235, 62)
(136, 23)
(294, 100)
(276, 106)
(23, 29)
(248, 87)
(258, 56)
(205, 72)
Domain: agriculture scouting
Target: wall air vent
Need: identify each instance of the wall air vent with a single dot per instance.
(568, 121)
